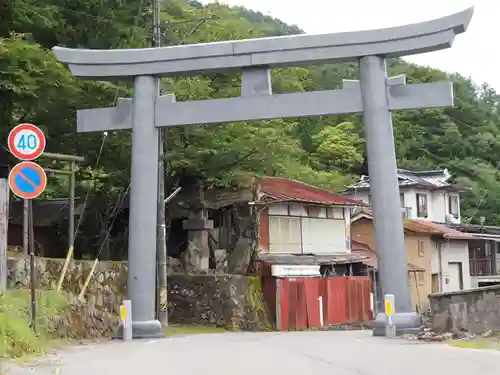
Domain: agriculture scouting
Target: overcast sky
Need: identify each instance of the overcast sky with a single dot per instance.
(470, 55)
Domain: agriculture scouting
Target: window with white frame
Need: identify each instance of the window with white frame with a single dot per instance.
(422, 205)
(453, 208)
(323, 236)
(285, 234)
(306, 235)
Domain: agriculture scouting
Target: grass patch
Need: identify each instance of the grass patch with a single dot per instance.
(192, 329)
(475, 344)
(17, 338)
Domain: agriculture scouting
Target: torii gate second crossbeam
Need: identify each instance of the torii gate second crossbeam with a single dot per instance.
(375, 96)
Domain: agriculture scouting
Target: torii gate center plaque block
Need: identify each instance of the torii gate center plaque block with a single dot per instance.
(375, 96)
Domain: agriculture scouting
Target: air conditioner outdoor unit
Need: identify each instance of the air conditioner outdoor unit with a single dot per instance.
(406, 212)
(283, 270)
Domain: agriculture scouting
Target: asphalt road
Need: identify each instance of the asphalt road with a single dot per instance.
(291, 353)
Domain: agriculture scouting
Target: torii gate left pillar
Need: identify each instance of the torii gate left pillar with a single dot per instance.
(375, 96)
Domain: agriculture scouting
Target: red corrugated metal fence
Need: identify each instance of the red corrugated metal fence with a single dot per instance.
(346, 300)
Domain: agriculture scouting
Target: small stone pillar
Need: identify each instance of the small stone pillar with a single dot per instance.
(197, 255)
(197, 252)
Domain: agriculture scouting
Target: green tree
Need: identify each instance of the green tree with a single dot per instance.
(338, 147)
(326, 151)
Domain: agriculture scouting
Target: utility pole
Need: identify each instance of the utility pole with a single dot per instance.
(161, 246)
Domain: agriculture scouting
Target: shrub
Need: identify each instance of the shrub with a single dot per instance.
(17, 338)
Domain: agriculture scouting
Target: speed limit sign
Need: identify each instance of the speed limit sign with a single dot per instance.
(26, 142)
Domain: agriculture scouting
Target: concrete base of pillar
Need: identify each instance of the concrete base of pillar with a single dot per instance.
(151, 329)
(406, 323)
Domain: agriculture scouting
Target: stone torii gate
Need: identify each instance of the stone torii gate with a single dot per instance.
(375, 95)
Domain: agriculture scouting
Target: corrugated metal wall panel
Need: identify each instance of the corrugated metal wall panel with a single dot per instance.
(336, 300)
(323, 236)
(345, 300)
(312, 289)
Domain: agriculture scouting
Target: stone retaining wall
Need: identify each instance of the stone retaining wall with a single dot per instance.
(230, 301)
(474, 310)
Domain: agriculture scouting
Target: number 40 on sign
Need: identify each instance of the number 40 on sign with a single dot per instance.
(26, 142)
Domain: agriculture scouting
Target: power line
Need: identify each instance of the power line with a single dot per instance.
(72, 11)
(92, 186)
(481, 199)
(108, 20)
(115, 213)
(135, 25)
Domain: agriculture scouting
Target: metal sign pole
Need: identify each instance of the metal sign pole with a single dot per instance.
(31, 243)
(28, 180)
(4, 225)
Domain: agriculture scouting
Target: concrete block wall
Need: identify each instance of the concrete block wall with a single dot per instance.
(473, 310)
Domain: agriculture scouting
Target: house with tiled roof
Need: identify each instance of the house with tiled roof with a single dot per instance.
(484, 253)
(304, 224)
(438, 256)
(298, 224)
(424, 195)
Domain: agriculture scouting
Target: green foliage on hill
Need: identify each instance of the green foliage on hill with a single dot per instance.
(326, 151)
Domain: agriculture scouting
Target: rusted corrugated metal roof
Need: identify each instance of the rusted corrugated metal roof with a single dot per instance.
(303, 259)
(412, 225)
(364, 250)
(358, 245)
(417, 227)
(448, 233)
(282, 189)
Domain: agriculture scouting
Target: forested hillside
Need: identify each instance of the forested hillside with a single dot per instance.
(325, 151)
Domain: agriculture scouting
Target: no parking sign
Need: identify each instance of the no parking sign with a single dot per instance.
(27, 179)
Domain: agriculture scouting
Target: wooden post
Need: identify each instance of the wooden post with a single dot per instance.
(255, 212)
(71, 207)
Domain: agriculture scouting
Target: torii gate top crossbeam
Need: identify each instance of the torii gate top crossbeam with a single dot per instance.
(272, 52)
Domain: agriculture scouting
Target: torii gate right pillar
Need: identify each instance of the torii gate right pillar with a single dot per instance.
(384, 189)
